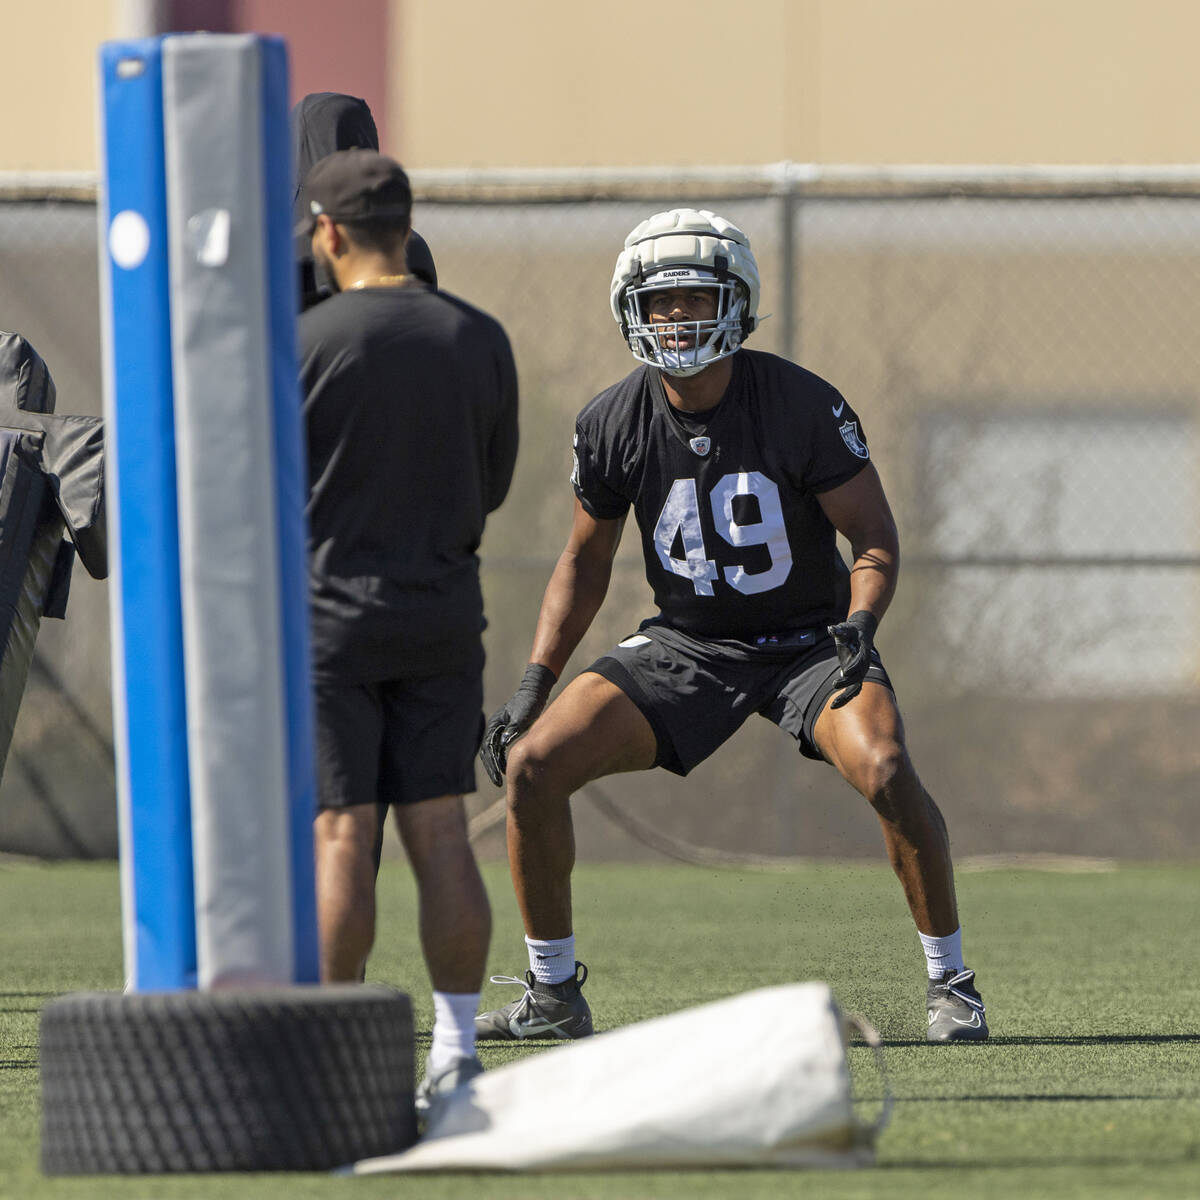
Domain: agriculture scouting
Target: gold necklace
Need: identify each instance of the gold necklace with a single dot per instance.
(379, 281)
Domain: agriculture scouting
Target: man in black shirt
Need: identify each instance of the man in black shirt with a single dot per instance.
(322, 123)
(411, 414)
(741, 468)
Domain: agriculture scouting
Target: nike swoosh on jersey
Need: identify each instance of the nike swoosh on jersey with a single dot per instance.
(837, 412)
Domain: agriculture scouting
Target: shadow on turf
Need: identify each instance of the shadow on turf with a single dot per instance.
(1009, 1164)
(1019, 1098)
(1098, 1039)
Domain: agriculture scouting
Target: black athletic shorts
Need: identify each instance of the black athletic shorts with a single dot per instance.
(696, 692)
(399, 741)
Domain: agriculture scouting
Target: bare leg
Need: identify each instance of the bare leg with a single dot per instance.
(344, 841)
(455, 917)
(864, 740)
(592, 729)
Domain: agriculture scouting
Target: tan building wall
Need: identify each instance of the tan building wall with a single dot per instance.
(1007, 81)
(543, 83)
(48, 84)
(539, 82)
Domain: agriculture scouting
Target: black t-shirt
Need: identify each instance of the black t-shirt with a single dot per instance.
(736, 544)
(411, 412)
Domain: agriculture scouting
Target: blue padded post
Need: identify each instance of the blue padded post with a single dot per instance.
(147, 638)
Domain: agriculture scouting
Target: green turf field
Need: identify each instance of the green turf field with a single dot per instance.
(1090, 1085)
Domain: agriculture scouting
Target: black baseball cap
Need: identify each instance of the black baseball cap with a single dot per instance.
(356, 185)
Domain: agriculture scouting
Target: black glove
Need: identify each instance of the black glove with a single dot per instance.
(853, 638)
(509, 722)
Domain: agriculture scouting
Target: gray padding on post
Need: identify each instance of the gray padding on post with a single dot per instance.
(227, 510)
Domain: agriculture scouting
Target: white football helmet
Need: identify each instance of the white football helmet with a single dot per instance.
(681, 248)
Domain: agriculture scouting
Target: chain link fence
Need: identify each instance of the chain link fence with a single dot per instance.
(1022, 349)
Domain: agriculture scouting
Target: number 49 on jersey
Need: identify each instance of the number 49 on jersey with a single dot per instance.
(680, 521)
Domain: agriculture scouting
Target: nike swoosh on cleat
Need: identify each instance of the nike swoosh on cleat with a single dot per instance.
(837, 412)
(973, 1023)
(524, 1029)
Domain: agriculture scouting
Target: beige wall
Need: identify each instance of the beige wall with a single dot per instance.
(1009, 81)
(542, 82)
(48, 84)
(623, 82)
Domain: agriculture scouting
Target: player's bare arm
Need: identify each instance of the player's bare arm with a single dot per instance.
(576, 589)
(573, 597)
(859, 511)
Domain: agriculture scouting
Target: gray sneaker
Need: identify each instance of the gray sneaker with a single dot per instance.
(546, 1011)
(434, 1089)
(955, 1009)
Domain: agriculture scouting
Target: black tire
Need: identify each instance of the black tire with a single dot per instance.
(282, 1079)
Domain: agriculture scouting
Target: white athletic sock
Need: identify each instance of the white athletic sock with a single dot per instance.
(453, 1028)
(552, 962)
(942, 954)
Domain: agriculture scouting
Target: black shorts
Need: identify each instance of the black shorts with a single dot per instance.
(399, 741)
(696, 692)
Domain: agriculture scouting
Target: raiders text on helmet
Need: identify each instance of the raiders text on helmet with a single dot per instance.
(680, 248)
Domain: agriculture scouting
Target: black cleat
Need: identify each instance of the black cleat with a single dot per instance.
(955, 1009)
(547, 1011)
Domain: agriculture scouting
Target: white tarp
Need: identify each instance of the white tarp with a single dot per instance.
(760, 1079)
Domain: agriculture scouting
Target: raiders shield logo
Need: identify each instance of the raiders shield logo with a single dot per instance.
(849, 432)
(700, 445)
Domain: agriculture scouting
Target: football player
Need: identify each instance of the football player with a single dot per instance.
(741, 468)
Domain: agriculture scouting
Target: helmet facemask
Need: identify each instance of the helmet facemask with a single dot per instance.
(685, 248)
(711, 340)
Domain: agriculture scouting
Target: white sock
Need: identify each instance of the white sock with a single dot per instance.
(553, 961)
(453, 1028)
(942, 954)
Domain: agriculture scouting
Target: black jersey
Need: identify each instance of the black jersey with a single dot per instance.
(411, 413)
(735, 542)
